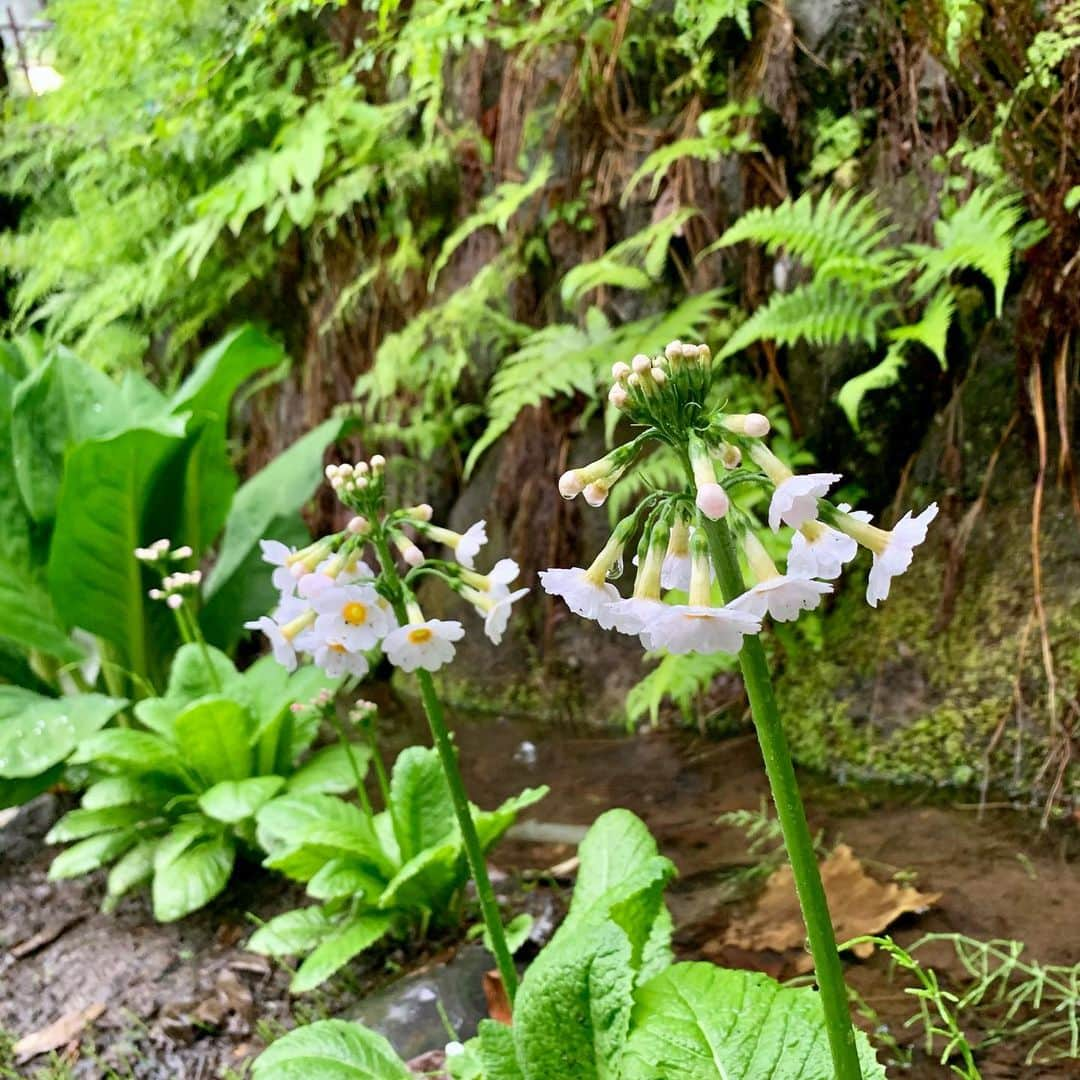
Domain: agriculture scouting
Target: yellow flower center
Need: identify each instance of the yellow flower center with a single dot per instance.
(335, 647)
(354, 613)
(421, 635)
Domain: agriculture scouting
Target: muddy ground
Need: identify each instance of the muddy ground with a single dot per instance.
(185, 1000)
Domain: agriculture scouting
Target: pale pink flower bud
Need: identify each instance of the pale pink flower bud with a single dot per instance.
(712, 501)
(357, 525)
(570, 484)
(618, 396)
(620, 370)
(641, 363)
(673, 349)
(377, 461)
(175, 601)
(596, 494)
(659, 376)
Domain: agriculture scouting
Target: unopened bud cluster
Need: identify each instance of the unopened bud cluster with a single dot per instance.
(669, 396)
(349, 480)
(176, 585)
(162, 551)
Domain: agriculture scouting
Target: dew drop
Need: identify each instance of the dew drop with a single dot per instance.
(616, 570)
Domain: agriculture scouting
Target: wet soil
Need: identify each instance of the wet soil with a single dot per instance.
(185, 1001)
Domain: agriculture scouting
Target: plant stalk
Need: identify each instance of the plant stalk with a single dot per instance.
(444, 745)
(789, 809)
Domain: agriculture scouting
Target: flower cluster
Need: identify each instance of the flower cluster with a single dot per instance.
(176, 585)
(334, 607)
(668, 395)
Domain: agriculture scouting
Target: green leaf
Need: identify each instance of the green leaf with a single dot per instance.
(190, 678)
(328, 769)
(224, 368)
(343, 877)
(491, 824)
(497, 1052)
(426, 881)
(420, 803)
(17, 792)
(293, 933)
(234, 800)
(278, 490)
(139, 751)
(15, 540)
(338, 949)
(193, 879)
(79, 824)
(128, 791)
(572, 1013)
(879, 377)
(130, 870)
(213, 738)
(94, 578)
(330, 1050)
(702, 1022)
(61, 403)
(45, 731)
(91, 853)
(27, 616)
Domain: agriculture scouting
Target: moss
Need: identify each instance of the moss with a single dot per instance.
(893, 696)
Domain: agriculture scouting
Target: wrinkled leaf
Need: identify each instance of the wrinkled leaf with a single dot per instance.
(193, 879)
(330, 1050)
(91, 853)
(329, 770)
(234, 800)
(293, 933)
(420, 803)
(212, 736)
(339, 948)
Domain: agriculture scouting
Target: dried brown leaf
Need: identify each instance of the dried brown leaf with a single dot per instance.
(58, 1033)
(497, 1001)
(859, 905)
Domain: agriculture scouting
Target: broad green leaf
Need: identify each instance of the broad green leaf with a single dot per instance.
(325, 821)
(338, 949)
(702, 1022)
(130, 870)
(27, 616)
(213, 738)
(280, 734)
(91, 853)
(62, 402)
(223, 369)
(139, 751)
(128, 791)
(96, 582)
(191, 677)
(81, 823)
(293, 933)
(190, 830)
(15, 538)
(41, 734)
(572, 1013)
(234, 800)
(427, 879)
(278, 490)
(207, 486)
(17, 792)
(330, 1050)
(345, 877)
(329, 769)
(420, 803)
(192, 880)
(497, 1051)
(491, 824)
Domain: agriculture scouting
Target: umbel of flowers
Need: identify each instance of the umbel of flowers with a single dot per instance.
(696, 537)
(350, 596)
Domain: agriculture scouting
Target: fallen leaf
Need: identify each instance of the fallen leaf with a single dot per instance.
(431, 1065)
(497, 1002)
(58, 1033)
(859, 905)
(44, 937)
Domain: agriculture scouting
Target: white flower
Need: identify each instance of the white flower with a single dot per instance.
(427, 644)
(817, 550)
(470, 543)
(712, 500)
(636, 615)
(503, 574)
(686, 628)
(794, 501)
(454, 1049)
(282, 635)
(782, 597)
(336, 660)
(351, 615)
(584, 595)
(498, 614)
(895, 554)
(276, 553)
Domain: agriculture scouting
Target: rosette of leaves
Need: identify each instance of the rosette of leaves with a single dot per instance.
(92, 467)
(398, 871)
(173, 802)
(604, 1001)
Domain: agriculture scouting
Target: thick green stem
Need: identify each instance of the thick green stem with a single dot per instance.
(444, 745)
(789, 809)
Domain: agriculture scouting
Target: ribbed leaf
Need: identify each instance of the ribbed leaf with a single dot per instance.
(330, 1050)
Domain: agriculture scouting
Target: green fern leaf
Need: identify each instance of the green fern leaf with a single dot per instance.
(681, 678)
(882, 375)
(820, 312)
(933, 328)
(977, 236)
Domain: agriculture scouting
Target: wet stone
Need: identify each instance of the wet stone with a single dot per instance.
(406, 1012)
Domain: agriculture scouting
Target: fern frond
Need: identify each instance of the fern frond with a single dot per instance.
(882, 375)
(977, 236)
(700, 18)
(646, 251)
(681, 678)
(933, 328)
(820, 312)
(495, 211)
(815, 230)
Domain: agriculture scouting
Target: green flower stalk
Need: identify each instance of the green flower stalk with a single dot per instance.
(696, 533)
